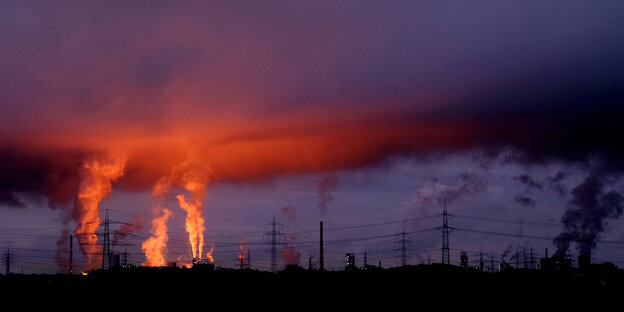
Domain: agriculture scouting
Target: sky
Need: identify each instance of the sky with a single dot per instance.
(195, 123)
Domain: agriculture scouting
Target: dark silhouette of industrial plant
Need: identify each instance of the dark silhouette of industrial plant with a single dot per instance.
(523, 273)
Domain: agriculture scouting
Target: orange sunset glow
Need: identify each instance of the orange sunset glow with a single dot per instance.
(200, 134)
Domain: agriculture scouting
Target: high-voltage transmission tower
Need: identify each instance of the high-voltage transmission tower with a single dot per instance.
(275, 237)
(108, 246)
(403, 248)
(446, 259)
(6, 259)
(106, 252)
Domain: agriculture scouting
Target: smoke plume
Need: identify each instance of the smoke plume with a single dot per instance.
(466, 184)
(506, 252)
(585, 219)
(95, 184)
(193, 176)
(327, 184)
(155, 247)
(290, 255)
(154, 90)
(289, 213)
(194, 181)
(127, 228)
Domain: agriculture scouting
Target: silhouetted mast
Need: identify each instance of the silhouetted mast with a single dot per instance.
(321, 255)
(8, 257)
(445, 236)
(106, 253)
(275, 237)
(71, 254)
(403, 242)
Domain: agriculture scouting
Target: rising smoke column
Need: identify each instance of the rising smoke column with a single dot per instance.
(289, 254)
(155, 247)
(209, 257)
(96, 175)
(584, 220)
(242, 256)
(327, 184)
(194, 179)
(567, 108)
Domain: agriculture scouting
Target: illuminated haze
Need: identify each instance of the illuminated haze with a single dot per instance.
(259, 91)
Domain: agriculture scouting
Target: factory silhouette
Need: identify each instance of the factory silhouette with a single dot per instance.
(550, 274)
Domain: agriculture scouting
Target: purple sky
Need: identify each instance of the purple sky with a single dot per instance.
(511, 110)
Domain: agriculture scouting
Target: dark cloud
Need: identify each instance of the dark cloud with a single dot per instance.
(7, 198)
(529, 182)
(531, 185)
(557, 183)
(33, 173)
(350, 86)
(525, 200)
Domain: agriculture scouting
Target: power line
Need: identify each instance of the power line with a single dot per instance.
(404, 221)
(382, 242)
(522, 222)
(504, 234)
(530, 236)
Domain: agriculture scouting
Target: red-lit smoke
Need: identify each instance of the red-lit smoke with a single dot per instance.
(155, 247)
(96, 176)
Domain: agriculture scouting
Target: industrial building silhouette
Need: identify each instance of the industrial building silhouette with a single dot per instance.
(550, 275)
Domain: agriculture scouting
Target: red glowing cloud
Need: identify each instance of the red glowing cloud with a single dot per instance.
(261, 91)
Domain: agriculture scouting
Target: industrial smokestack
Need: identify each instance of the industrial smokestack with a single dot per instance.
(71, 253)
(584, 262)
(321, 256)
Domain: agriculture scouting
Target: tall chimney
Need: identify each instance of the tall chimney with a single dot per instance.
(546, 253)
(321, 256)
(584, 262)
(71, 253)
